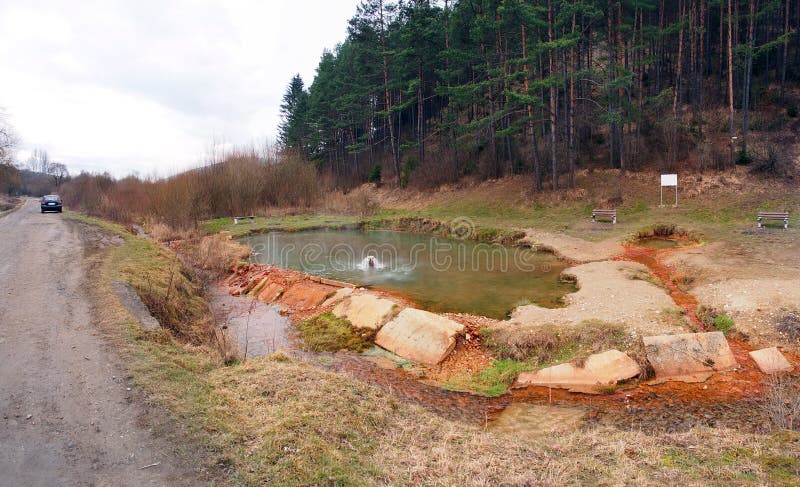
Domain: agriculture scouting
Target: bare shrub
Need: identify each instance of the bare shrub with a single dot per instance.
(789, 326)
(782, 401)
(772, 160)
(242, 182)
(215, 253)
(227, 346)
(545, 344)
(361, 203)
(291, 182)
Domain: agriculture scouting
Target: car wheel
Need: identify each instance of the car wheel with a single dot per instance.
(42, 211)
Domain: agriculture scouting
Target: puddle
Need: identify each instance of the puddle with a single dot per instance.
(537, 420)
(438, 274)
(259, 328)
(658, 243)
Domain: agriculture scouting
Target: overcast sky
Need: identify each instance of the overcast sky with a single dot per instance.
(145, 86)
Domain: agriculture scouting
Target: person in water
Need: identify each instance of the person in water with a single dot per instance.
(371, 261)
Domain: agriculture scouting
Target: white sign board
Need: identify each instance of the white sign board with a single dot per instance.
(668, 180)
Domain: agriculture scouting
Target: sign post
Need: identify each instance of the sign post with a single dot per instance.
(668, 180)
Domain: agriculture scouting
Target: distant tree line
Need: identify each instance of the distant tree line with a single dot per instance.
(40, 175)
(437, 90)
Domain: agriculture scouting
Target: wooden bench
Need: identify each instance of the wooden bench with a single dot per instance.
(605, 213)
(774, 215)
(237, 218)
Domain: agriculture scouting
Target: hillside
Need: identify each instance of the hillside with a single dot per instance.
(424, 93)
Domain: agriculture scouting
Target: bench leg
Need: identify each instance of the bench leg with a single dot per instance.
(614, 220)
(759, 223)
(785, 224)
(594, 219)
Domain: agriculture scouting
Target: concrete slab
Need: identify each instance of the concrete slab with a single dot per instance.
(133, 303)
(771, 360)
(419, 336)
(689, 357)
(261, 282)
(599, 371)
(366, 311)
(270, 292)
(337, 297)
(306, 295)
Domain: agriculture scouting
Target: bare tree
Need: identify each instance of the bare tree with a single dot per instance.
(8, 140)
(39, 161)
(58, 172)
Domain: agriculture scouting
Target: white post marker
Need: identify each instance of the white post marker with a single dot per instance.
(668, 180)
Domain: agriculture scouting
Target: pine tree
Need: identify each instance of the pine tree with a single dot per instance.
(293, 129)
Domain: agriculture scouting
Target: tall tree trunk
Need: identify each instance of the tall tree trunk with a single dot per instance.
(612, 126)
(387, 98)
(553, 94)
(721, 43)
(748, 72)
(730, 82)
(420, 118)
(537, 172)
(676, 105)
(453, 116)
(621, 91)
(693, 30)
(701, 68)
(786, 32)
(571, 119)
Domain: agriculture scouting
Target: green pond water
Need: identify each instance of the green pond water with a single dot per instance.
(438, 274)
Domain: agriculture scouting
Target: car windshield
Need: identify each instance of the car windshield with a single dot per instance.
(51, 197)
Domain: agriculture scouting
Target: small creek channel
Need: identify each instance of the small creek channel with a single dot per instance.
(438, 274)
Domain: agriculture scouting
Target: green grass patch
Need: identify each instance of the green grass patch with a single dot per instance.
(493, 380)
(293, 223)
(716, 319)
(327, 333)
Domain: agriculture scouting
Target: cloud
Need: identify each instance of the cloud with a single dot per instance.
(144, 86)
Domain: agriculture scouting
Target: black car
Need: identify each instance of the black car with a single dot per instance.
(51, 202)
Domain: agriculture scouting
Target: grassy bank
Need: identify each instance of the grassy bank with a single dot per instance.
(9, 204)
(280, 421)
(716, 207)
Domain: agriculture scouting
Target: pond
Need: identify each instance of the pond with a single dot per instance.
(439, 274)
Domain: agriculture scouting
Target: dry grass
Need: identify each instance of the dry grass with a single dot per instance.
(782, 401)
(8, 203)
(544, 344)
(214, 253)
(164, 233)
(294, 424)
(172, 293)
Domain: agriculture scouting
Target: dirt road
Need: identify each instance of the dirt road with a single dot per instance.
(67, 416)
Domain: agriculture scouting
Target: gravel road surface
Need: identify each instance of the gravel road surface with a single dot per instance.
(67, 415)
